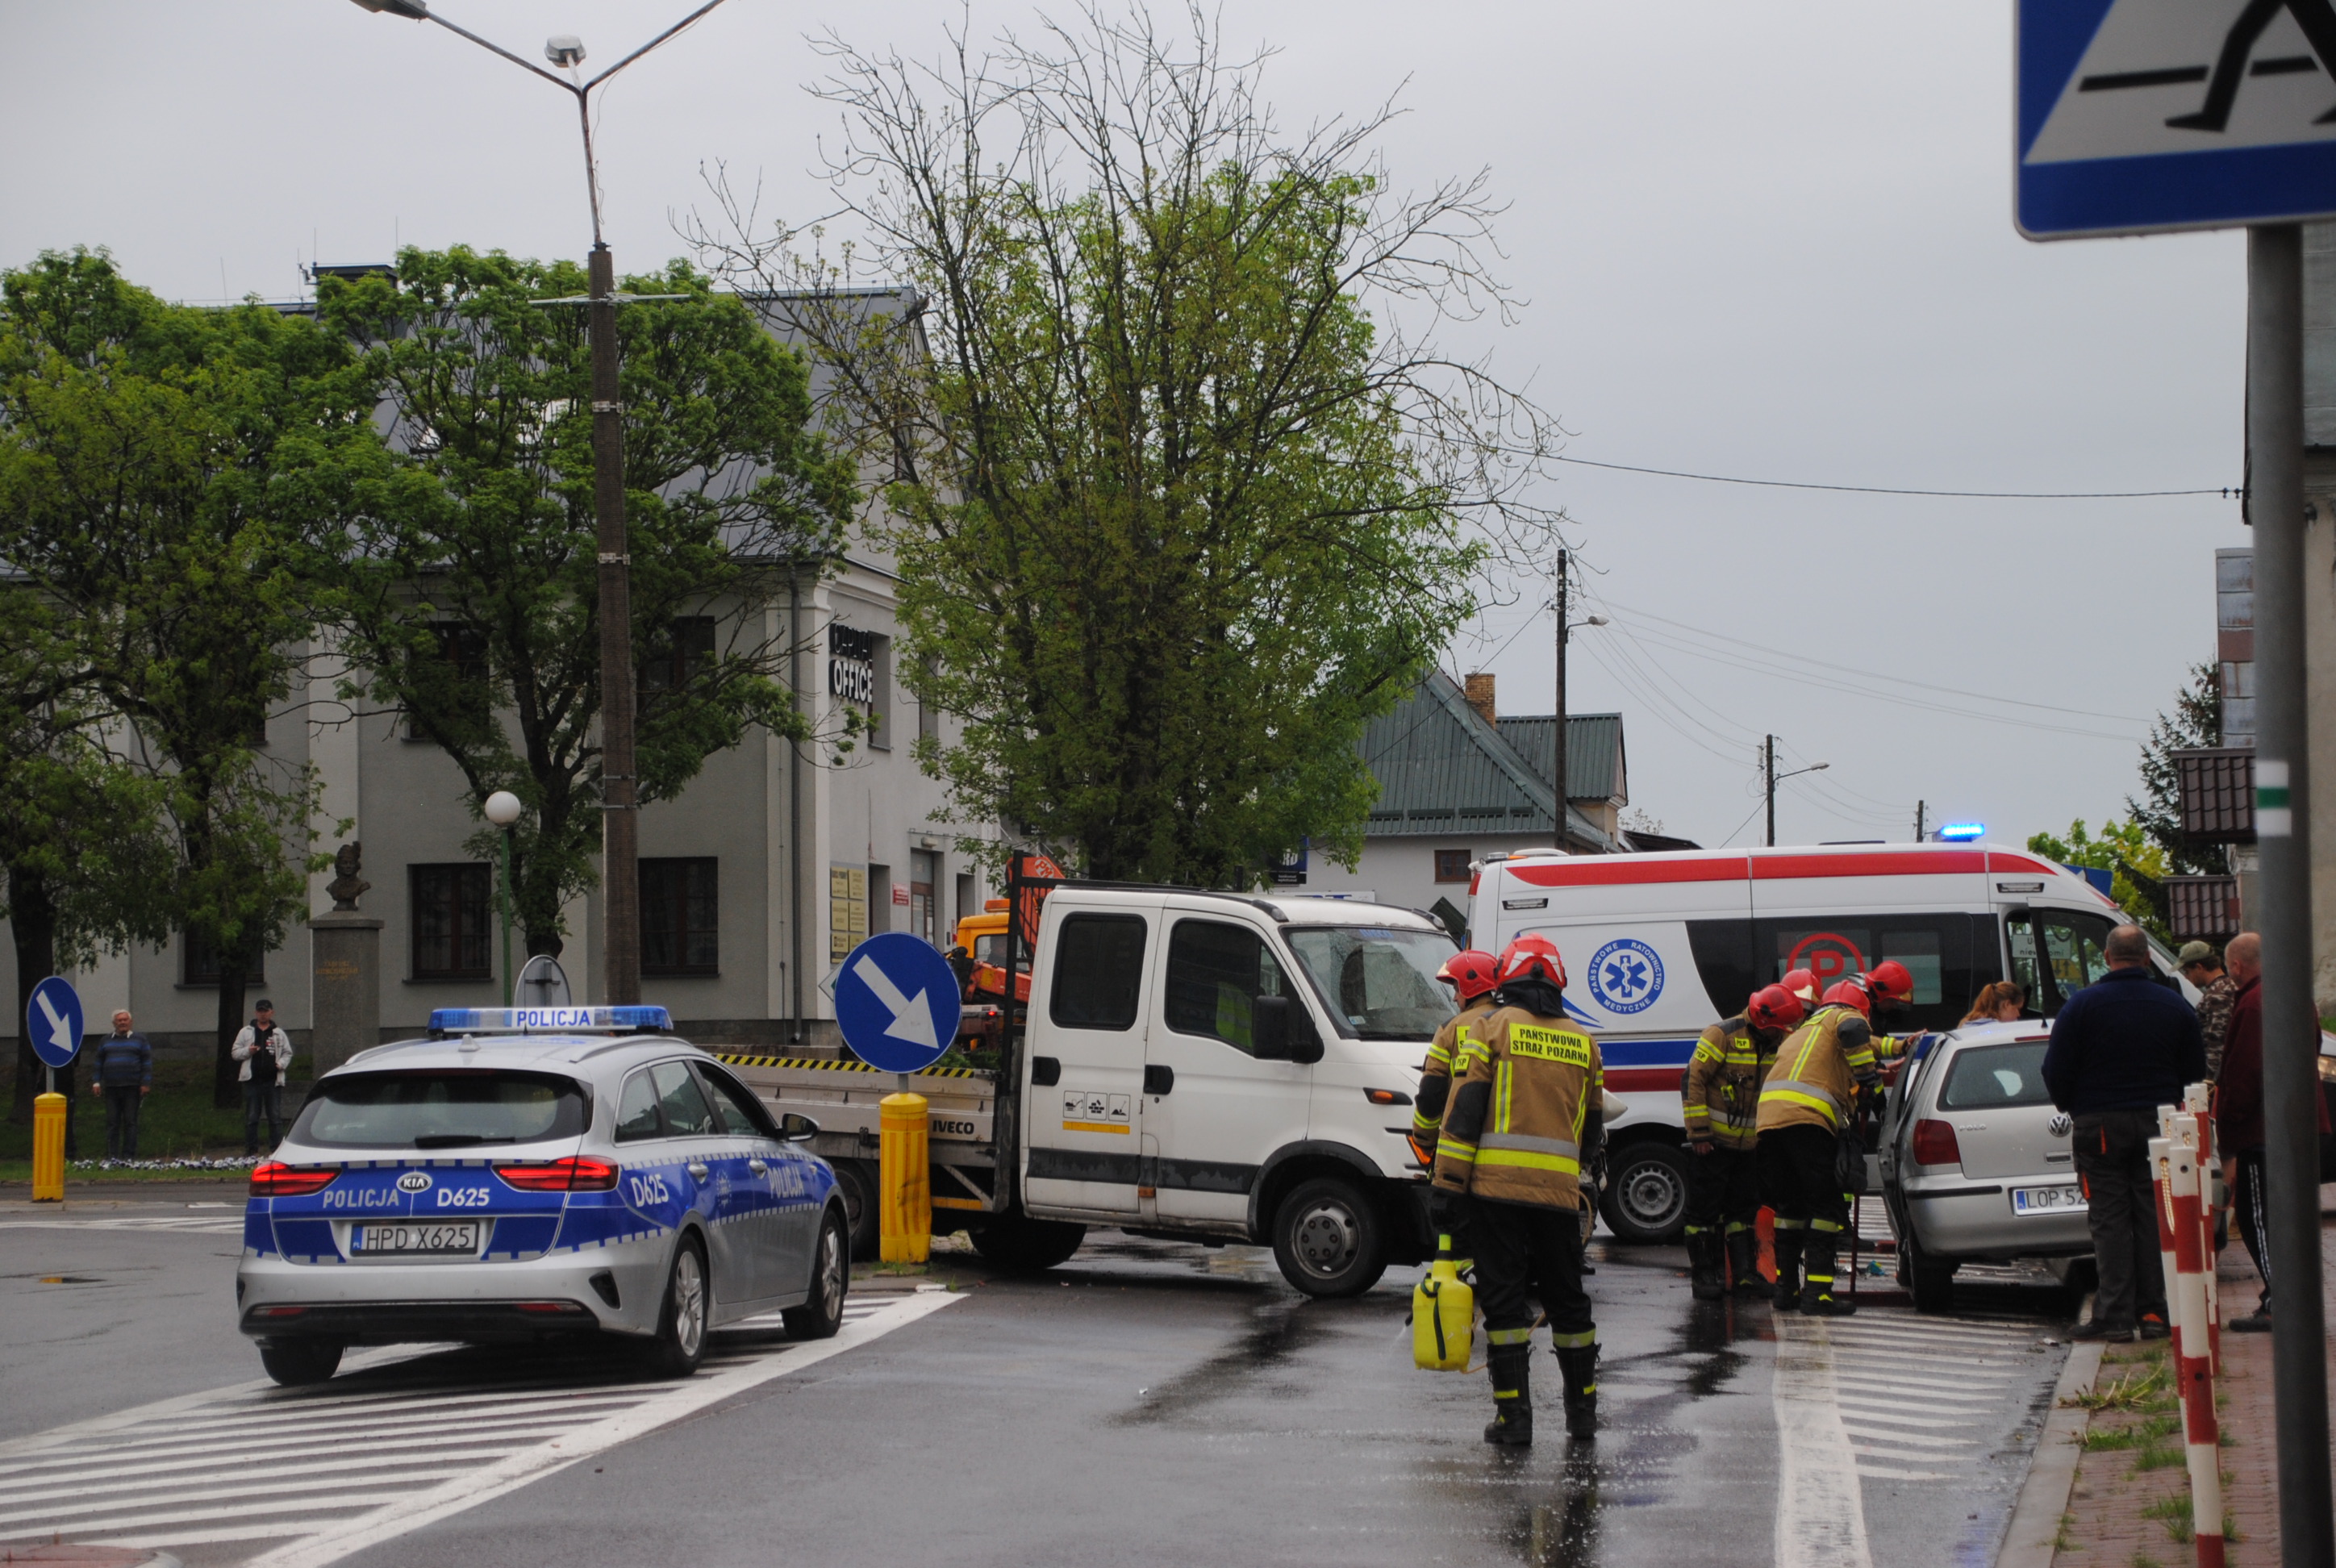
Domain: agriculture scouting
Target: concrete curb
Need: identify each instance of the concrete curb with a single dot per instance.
(2044, 1496)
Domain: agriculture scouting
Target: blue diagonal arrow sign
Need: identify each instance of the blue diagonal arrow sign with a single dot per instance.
(896, 1001)
(52, 1021)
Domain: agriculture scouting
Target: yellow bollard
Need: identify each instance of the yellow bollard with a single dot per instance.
(49, 1148)
(904, 1180)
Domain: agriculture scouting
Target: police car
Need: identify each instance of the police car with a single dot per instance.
(526, 1173)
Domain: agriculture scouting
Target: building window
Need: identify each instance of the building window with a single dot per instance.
(684, 653)
(1452, 865)
(452, 682)
(680, 911)
(200, 962)
(451, 906)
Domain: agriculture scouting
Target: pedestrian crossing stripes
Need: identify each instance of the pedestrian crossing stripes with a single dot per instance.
(402, 1437)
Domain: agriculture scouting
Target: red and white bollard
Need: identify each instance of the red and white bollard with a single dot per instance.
(2193, 1360)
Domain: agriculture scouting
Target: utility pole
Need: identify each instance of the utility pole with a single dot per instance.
(1921, 819)
(2290, 1027)
(1557, 740)
(1769, 772)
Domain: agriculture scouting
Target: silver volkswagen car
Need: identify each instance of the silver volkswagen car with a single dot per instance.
(534, 1172)
(1976, 1166)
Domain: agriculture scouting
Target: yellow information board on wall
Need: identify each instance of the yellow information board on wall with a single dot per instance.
(847, 910)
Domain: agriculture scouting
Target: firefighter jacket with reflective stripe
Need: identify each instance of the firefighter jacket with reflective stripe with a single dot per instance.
(1818, 1071)
(1524, 1111)
(1721, 1087)
(1435, 1073)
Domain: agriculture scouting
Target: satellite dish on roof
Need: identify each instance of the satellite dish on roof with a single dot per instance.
(543, 984)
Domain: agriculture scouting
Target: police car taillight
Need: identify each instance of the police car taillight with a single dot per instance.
(576, 1173)
(277, 1180)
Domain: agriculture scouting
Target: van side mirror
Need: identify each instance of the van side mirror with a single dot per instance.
(796, 1128)
(1268, 1029)
(1305, 1040)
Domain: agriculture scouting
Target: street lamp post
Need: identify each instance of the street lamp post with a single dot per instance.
(502, 809)
(620, 949)
(1768, 770)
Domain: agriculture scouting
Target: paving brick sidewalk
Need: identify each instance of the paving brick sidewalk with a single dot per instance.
(2129, 1506)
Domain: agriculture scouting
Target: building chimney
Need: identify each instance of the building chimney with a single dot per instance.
(1479, 692)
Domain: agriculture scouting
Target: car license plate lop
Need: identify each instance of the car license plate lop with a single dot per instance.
(452, 1237)
(2047, 1200)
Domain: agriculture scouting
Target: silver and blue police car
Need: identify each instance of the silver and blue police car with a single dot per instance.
(534, 1173)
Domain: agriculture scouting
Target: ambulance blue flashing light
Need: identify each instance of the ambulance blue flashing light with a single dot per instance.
(1962, 833)
(640, 1020)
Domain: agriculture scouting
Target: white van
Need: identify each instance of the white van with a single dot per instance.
(1658, 945)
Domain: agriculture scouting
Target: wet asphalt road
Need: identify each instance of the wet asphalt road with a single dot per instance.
(1158, 1403)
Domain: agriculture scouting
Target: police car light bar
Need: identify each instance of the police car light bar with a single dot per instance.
(642, 1020)
(1962, 832)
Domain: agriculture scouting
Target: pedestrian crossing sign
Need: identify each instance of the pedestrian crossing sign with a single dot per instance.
(2135, 116)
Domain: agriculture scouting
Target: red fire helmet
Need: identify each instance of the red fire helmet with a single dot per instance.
(1532, 958)
(1889, 978)
(1772, 1008)
(1851, 994)
(1802, 984)
(1470, 971)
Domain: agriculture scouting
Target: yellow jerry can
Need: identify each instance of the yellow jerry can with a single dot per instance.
(1443, 1314)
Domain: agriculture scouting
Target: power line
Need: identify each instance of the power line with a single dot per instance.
(2228, 493)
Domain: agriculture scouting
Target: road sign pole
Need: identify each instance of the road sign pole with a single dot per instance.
(2290, 1027)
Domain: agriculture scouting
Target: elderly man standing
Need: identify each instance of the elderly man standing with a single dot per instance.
(2121, 1048)
(2217, 992)
(122, 1070)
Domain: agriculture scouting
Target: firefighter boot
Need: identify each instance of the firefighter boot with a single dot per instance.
(1578, 1366)
(1789, 1241)
(1512, 1424)
(1817, 1298)
(1744, 1262)
(1703, 1266)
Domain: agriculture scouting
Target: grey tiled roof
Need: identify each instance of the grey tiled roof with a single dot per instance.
(1594, 764)
(1443, 771)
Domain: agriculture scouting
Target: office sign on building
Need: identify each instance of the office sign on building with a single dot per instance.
(851, 665)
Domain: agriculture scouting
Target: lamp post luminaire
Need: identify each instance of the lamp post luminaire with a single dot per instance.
(1768, 770)
(502, 809)
(621, 948)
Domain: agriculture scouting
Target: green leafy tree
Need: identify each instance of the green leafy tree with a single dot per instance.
(80, 843)
(2138, 865)
(165, 472)
(468, 600)
(2195, 723)
(1181, 482)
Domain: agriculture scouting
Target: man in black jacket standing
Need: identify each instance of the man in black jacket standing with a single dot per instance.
(2121, 1048)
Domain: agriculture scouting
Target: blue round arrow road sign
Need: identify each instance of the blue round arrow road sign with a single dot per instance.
(896, 1001)
(53, 1022)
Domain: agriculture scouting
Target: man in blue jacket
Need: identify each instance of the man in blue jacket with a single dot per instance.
(2121, 1048)
(122, 1070)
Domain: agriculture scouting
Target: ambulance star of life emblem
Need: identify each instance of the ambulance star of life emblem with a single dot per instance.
(1626, 976)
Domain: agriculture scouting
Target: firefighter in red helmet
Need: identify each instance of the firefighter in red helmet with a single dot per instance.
(1523, 1121)
(1820, 1074)
(1721, 1092)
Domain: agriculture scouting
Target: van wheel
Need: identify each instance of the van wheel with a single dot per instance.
(296, 1363)
(1645, 1200)
(1329, 1238)
(831, 1276)
(1026, 1245)
(856, 1180)
(680, 1341)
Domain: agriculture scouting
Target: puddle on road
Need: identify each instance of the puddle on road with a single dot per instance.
(1277, 1330)
(1563, 1533)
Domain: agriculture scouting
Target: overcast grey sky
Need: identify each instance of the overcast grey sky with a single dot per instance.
(1769, 242)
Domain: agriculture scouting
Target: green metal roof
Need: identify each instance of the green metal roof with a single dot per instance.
(1594, 764)
(1443, 771)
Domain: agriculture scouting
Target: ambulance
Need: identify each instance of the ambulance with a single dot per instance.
(1657, 946)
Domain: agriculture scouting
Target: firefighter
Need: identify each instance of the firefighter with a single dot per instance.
(1802, 984)
(1523, 1121)
(1469, 973)
(1889, 991)
(1721, 1092)
(1819, 1074)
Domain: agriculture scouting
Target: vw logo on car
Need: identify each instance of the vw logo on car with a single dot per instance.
(2060, 1125)
(414, 1182)
(1626, 976)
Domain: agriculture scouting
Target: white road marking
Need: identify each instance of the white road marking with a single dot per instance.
(207, 1224)
(1889, 1375)
(1820, 1510)
(345, 1468)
